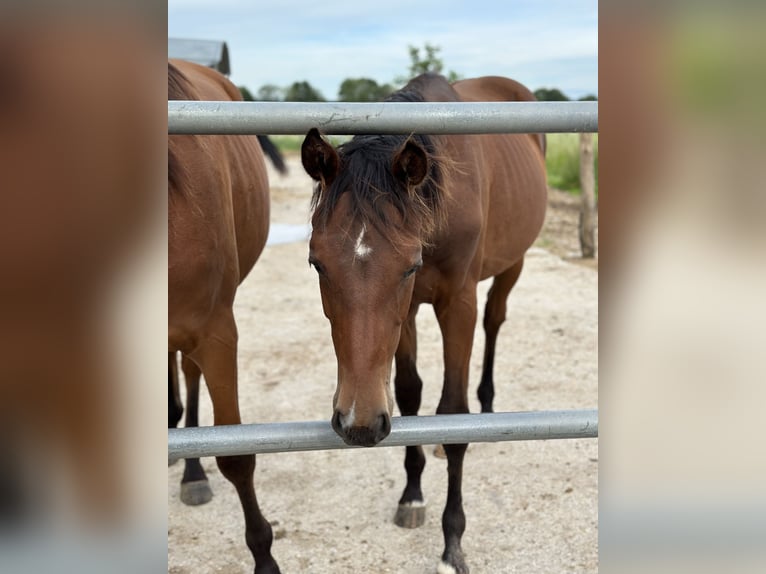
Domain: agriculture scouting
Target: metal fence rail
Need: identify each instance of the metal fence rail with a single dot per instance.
(439, 429)
(275, 118)
(341, 118)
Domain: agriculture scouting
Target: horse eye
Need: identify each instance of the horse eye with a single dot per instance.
(316, 265)
(413, 269)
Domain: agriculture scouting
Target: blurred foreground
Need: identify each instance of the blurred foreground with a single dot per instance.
(83, 290)
(683, 284)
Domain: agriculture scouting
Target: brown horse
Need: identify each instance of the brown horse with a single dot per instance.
(218, 220)
(399, 221)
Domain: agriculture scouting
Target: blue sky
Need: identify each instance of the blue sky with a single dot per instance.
(552, 43)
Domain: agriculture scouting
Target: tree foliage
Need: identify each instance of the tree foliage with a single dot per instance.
(428, 61)
(550, 95)
(556, 95)
(363, 90)
(270, 93)
(266, 93)
(303, 92)
(422, 60)
(246, 94)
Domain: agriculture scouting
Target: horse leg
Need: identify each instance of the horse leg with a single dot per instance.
(217, 357)
(411, 511)
(175, 407)
(494, 316)
(457, 320)
(195, 488)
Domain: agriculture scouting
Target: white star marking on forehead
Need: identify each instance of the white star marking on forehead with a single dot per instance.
(362, 250)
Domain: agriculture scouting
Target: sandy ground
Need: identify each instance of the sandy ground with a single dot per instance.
(530, 506)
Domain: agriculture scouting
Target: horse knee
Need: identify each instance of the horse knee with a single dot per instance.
(494, 316)
(454, 404)
(408, 388)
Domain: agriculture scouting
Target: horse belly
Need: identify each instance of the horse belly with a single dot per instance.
(196, 288)
(515, 210)
(203, 271)
(250, 200)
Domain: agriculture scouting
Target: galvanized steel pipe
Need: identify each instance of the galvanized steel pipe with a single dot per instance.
(341, 118)
(439, 429)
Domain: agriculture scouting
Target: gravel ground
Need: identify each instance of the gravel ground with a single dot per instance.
(530, 506)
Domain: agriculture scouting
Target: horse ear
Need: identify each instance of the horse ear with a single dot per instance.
(320, 160)
(410, 164)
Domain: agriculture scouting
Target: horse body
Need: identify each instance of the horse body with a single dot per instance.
(403, 221)
(509, 173)
(217, 236)
(218, 219)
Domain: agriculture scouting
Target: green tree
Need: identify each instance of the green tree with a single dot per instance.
(303, 92)
(428, 61)
(270, 93)
(588, 98)
(363, 90)
(550, 95)
(246, 95)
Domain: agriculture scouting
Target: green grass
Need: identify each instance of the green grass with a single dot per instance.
(562, 161)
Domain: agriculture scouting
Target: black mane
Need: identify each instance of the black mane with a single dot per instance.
(365, 173)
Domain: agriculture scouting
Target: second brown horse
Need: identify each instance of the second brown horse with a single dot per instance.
(218, 221)
(400, 221)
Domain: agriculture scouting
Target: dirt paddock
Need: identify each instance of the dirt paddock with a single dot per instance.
(530, 506)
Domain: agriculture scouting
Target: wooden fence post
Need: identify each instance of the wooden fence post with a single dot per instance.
(588, 202)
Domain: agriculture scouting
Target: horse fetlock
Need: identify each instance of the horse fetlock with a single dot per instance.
(259, 539)
(269, 567)
(452, 562)
(444, 568)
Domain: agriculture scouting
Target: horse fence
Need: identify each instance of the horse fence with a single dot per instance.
(405, 431)
(274, 118)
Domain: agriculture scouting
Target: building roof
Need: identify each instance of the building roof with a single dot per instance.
(211, 53)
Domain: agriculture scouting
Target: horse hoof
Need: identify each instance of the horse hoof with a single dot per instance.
(410, 515)
(445, 568)
(439, 451)
(196, 492)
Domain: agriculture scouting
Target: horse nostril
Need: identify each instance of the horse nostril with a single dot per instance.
(361, 435)
(336, 423)
(384, 426)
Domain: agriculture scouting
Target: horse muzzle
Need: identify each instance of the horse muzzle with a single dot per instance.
(361, 435)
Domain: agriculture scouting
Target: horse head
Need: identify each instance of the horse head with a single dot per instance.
(371, 216)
